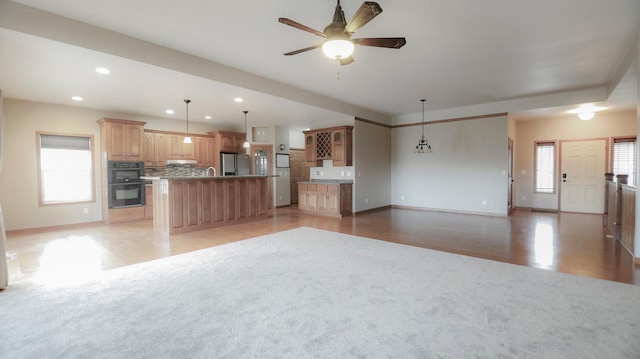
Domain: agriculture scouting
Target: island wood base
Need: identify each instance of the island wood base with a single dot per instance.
(192, 204)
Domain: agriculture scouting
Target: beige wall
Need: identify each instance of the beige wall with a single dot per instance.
(18, 180)
(603, 125)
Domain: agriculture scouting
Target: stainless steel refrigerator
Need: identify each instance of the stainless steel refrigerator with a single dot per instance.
(235, 164)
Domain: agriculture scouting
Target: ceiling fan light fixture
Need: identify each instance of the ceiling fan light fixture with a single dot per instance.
(586, 116)
(338, 48)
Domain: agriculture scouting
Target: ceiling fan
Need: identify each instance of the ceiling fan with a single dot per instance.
(339, 44)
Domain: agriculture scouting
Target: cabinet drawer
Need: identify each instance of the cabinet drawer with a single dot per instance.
(126, 214)
(312, 187)
(322, 188)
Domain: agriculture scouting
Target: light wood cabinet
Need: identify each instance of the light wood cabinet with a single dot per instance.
(177, 149)
(184, 205)
(327, 199)
(126, 214)
(333, 143)
(154, 149)
(342, 147)
(123, 140)
(205, 151)
(307, 197)
(229, 142)
(148, 207)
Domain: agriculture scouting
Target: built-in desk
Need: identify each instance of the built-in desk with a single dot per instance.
(185, 204)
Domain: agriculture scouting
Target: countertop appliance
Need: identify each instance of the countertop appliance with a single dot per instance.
(234, 164)
(125, 187)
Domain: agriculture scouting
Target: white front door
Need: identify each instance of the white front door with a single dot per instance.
(582, 176)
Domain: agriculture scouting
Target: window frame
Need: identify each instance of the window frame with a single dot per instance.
(41, 202)
(554, 145)
(618, 139)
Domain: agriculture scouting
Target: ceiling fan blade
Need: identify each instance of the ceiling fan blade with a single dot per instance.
(367, 11)
(302, 50)
(346, 61)
(389, 42)
(298, 25)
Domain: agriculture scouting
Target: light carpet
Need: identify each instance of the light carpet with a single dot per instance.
(311, 293)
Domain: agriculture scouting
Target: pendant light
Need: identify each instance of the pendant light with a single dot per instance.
(246, 143)
(423, 144)
(187, 138)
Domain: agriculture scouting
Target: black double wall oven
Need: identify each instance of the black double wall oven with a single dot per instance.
(126, 188)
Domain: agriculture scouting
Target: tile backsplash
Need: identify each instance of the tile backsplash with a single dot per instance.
(174, 171)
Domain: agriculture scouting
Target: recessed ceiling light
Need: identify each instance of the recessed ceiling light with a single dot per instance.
(238, 99)
(170, 112)
(76, 98)
(207, 117)
(103, 70)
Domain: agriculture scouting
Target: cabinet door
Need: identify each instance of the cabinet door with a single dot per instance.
(154, 149)
(134, 142)
(177, 149)
(116, 150)
(341, 147)
(302, 196)
(204, 151)
(227, 143)
(332, 199)
(238, 142)
(310, 149)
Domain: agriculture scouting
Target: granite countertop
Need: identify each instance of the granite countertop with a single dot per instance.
(201, 177)
(316, 181)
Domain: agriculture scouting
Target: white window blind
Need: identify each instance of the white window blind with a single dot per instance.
(545, 167)
(624, 158)
(66, 169)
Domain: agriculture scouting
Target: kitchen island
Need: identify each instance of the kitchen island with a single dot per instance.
(192, 203)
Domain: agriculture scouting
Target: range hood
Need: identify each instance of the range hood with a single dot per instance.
(183, 163)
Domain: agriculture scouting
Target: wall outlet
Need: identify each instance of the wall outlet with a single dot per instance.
(402, 197)
(321, 173)
(484, 203)
(349, 173)
(342, 173)
(366, 200)
(524, 198)
(85, 210)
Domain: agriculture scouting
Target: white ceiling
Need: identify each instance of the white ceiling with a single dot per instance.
(529, 58)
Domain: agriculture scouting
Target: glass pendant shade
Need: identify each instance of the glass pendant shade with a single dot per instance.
(338, 49)
(187, 139)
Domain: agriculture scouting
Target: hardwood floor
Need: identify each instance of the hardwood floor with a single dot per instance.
(564, 242)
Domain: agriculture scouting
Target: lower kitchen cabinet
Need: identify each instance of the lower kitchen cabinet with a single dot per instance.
(126, 214)
(326, 199)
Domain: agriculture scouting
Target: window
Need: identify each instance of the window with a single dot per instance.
(545, 167)
(624, 158)
(65, 164)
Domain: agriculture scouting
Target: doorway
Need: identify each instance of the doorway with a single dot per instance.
(583, 164)
(299, 171)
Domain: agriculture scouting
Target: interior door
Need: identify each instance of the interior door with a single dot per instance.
(583, 164)
(299, 171)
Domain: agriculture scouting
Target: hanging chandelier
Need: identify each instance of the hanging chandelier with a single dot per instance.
(187, 138)
(246, 143)
(423, 144)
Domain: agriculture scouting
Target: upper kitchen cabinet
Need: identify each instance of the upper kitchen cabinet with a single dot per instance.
(341, 149)
(123, 140)
(154, 149)
(229, 142)
(205, 151)
(333, 143)
(177, 149)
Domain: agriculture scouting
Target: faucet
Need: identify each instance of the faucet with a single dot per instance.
(206, 173)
